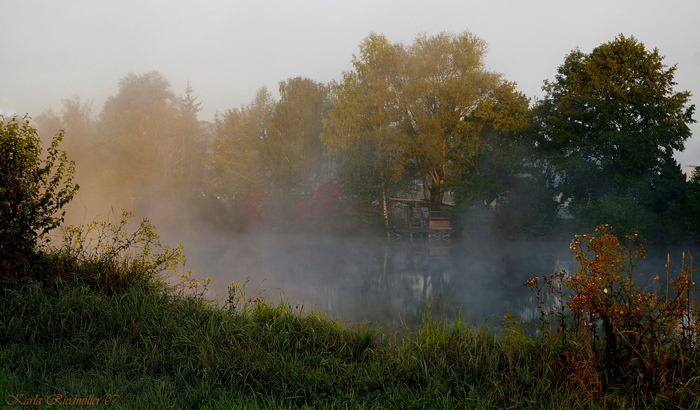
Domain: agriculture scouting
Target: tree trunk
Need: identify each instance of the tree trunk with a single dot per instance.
(426, 189)
(385, 205)
(436, 190)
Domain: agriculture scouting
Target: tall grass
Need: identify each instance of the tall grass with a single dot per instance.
(92, 323)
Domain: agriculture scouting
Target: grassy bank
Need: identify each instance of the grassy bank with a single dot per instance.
(80, 323)
(156, 348)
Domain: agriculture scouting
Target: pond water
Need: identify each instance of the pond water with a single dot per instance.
(371, 279)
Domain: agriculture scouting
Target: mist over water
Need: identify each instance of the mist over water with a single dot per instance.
(357, 278)
(366, 277)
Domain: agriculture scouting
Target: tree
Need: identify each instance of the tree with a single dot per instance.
(139, 91)
(363, 129)
(151, 141)
(188, 103)
(296, 157)
(409, 104)
(609, 123)
(33, 190)
(494, 173)
(77, 120)
(693, 217)
(446, 81)
(491, 155)
(236, 165)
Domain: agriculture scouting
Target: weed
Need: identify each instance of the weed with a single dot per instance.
(615, 333)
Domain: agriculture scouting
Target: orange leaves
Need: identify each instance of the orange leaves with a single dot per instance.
(627, 332)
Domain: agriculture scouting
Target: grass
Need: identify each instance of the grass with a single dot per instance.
(157, 349)
(84, 324)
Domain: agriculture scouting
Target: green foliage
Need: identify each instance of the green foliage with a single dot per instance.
(406, 106)
(296, 157)
(693, 218)
(446, 81)
(526, 208)
(107, 245)
(609, 124)
(361, 132)
(267, 155)
(489, 158)
(33, 190)
(494, 170)
(236, 163)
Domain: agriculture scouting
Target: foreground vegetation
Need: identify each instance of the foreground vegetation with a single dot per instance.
(94, 318)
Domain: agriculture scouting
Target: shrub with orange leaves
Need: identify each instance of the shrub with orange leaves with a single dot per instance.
(637, 335)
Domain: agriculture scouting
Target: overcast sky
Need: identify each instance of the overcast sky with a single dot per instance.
(228, 49)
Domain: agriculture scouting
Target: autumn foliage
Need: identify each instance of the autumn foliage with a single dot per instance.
(614, 331)
(326, 207)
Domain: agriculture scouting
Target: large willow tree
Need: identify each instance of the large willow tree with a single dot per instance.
(401, 111)
(364, 129)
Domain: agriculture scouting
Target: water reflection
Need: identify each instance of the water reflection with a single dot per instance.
(389, 283)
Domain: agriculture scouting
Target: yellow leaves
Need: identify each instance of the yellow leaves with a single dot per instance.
(109, 240)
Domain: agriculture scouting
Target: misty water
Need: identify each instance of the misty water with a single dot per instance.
(368, 278)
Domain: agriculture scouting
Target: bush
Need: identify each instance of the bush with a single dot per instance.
(109, 258)
(32, 190)
(613, 331)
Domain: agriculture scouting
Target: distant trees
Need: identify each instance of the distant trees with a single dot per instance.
(609, 125)
(447, 81)
(236, 162)
(363, 131)
(598, 148)
(143, 151)
(151, 142)
(693, 217)
(491, 153)
(270, 151)
(297, 159)
(78, 124)
(600, 144)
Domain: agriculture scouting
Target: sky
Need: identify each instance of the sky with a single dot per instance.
(227, 50)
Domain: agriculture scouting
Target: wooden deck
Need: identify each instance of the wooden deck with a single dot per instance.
(441, 234)
(422, 220)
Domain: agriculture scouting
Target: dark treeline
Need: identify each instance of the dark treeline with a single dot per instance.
(421, 120)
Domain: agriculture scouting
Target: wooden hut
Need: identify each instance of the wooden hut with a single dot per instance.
(422, 219)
